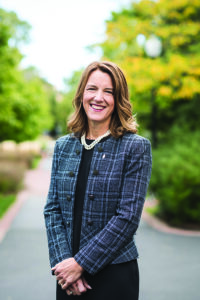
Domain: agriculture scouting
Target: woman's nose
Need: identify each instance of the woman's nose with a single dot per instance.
(99, 96)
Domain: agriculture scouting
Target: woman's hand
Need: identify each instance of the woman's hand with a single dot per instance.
(67, 272)
(78, 287)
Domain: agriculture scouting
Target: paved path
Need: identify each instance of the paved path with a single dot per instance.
(169, 264)
(25, 272)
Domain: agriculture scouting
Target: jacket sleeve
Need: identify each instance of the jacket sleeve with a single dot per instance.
(56, 232)
(120, 229)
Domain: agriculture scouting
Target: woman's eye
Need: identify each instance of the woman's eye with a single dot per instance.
(109, 92)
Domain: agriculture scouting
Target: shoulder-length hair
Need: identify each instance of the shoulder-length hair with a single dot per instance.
(122, 119)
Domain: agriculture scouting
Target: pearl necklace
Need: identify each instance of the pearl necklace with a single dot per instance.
(88, 147)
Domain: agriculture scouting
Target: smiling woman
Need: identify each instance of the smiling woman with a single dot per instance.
(100, 175)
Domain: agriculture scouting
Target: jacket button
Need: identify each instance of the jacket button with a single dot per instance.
(100, 149)
(71, 174)
(95, 172)
(90, 222)
(68, 198)
(68, 223)
(91, 197)
(77, 151)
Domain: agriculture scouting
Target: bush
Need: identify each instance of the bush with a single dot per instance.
(11, 176)
(13, 165)
(16, 157)
(176, 180)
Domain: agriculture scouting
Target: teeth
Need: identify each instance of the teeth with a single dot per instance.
(97, 107)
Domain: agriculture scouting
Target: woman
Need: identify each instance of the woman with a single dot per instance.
(100, 175)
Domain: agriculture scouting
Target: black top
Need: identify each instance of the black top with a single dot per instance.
(80, 194)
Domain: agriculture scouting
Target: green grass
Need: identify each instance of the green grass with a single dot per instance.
(35, 162)
(5, 202)
(154, 210)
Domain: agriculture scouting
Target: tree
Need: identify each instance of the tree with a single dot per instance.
(65, 107)
(159, 86)
(24, 104)
(165, 90)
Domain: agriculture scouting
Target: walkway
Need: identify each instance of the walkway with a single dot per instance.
(169, 264)
(25, 272)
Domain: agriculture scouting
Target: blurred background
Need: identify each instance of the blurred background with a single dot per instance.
(44, 46)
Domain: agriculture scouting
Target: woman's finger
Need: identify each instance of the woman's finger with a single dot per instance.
(61, 283)
(69, 292)
(80, 286)
(86, 284)
(73, 290)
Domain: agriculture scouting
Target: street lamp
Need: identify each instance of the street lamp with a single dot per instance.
(153, 48)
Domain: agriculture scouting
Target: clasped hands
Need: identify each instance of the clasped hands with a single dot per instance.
(70, 276)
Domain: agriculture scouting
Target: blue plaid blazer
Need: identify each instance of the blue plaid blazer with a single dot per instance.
(115, 193)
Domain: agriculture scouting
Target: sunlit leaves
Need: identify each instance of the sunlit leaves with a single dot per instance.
(173, 75)
(24, 101)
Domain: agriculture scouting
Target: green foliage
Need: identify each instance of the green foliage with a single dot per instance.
(154, 210)
(5, 202)
(24, 100)
(171, 78)
(176, 178)
(165, 92)
(65, 107)
(35, 161)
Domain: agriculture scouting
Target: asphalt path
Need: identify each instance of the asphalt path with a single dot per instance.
(169, 264)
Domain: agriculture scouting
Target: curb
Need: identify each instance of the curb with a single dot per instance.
(161, 226)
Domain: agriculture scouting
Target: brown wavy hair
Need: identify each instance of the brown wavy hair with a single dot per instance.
(122, 119)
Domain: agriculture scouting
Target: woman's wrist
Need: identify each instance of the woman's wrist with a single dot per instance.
(79, 267)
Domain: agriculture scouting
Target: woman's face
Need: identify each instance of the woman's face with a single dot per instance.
(98, 99)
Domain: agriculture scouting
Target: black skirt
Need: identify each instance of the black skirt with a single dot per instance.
(120, 281)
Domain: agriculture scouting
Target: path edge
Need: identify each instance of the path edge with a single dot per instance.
(161, 226)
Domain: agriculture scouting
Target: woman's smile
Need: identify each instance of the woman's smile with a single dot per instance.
(97, 107)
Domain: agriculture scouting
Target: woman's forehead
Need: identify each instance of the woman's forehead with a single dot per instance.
(99, 77)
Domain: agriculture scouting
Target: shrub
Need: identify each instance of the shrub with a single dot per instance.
(17, 157)
(12, 168)
(11, 176)
(176, 180)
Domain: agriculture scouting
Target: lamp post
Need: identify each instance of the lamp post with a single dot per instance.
(153, 48)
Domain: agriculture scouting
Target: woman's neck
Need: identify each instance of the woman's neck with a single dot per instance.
(94, 132)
